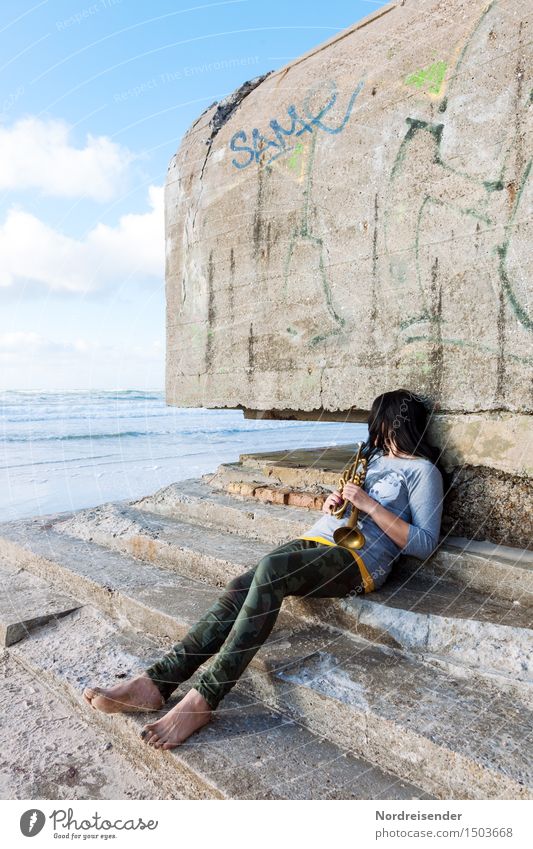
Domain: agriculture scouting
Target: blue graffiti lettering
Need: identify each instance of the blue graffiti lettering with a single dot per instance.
(241, 136)
(261, 143)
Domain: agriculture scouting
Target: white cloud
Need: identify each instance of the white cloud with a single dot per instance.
(38, 154)
(133, 249)
(28, 343)
(29, 360)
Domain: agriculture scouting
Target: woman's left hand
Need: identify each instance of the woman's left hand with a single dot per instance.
(358, 497)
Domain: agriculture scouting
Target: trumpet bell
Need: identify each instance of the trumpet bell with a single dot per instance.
(349, 537)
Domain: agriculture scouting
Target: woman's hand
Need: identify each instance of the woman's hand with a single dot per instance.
(358, 497)
(334, 500)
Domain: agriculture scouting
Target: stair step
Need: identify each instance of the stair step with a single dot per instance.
(27, 602)
(437, 617)
(314, 466)
(412, 610)
(433, 702)
(195, 501)
(248, 469)
(498, 570)
(432, 617)
(461, 738)
(144, 594)
(73, 759)
(237, 756)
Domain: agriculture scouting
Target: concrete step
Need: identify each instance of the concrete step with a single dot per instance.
(150, 597)
(300, 468)
(413, 611)
(433, 620)
(51, 752)
(195, 501)
(237, 756)
(498, 570)
(27, 602)
(461, 738)
(429, 734)
(445, 621)
(503, 571)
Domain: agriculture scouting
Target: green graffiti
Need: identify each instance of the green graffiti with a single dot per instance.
(430, 78)
(294, 161)
(414, 126)
(477, 346)
(521, 314)
(458, 65)
(302, 236)
(472, 197)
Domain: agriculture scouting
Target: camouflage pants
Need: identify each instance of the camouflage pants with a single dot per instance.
(240, 621)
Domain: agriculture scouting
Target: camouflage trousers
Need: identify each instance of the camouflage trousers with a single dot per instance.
(239, 622)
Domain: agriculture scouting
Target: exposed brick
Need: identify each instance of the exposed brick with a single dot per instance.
(241, 488)
(272, 495)
(302, 499)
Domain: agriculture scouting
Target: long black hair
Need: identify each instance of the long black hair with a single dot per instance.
(400, 419)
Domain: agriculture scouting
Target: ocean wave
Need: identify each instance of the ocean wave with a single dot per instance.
(68, 437)
(215, 434)
(141, 393)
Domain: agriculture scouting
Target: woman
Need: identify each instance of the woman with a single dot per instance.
(401, 503)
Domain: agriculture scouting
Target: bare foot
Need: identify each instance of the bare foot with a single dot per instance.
(138, 694)
(190, 714)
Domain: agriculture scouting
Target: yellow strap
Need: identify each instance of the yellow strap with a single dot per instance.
(368, 581)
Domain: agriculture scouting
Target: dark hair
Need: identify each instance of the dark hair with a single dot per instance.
(402, 418)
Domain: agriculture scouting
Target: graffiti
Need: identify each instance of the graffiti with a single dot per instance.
(441, 260)
(294, 161)
(430, 78)
(303, 240)
(308, 121)
(519, 310)
(467, 205)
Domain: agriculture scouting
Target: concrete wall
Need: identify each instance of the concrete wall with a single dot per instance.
(360, 220)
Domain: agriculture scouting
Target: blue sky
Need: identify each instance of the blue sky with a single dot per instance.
(94, 99)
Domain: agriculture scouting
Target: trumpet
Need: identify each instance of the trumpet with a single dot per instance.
(349, 536)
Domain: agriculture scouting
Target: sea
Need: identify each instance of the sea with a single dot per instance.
(62, 451)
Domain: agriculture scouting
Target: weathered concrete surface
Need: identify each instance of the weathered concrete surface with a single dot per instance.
(481, 503)
(361, 220)
(387, 680)
(49, 752)
(365, 700)
(165, 592)
(27, 602)
(236, 756)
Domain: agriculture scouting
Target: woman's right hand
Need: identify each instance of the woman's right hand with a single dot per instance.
(334, 500)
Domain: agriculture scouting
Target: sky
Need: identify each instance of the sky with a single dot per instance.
(94, 99)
